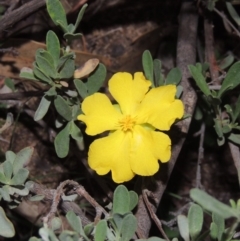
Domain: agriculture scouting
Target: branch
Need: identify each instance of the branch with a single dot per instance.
(15, 16)
(186, 54)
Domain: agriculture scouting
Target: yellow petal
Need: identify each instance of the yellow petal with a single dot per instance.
(111, 153)
(147, 148)
(99, 114)
(160, 108)
(128, 92)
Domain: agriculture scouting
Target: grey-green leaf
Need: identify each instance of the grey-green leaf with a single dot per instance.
(46, 67)
(63, 108)
(174, 76)
(8, 169)
(236, 112)
(232, 79)
(57, 13)
(9, 83)
(129, 226)
(227, 61)
(27, 75)
(235, 138)
(213, 231)
(53, 46)
(195, 220)
(96, 80)
(213, 205)
(42, 108)
(81, 88)
(233, 13)
(10, 156)
(76, 133)
(121, 200)
(67, 70)
(157, 70)
(41, 75)
(75, 222)
(80, 16)
(101, 231)
(199, 79)
(22, 158)
(133, 200)
(20, 177)
(183, 227)
(62, 141)
(6, 227)
(219, 221)
(147, 63)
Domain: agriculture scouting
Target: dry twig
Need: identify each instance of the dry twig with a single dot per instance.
(186, 54)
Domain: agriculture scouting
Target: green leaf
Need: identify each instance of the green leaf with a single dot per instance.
(9, 83)
(47, 234)
(218, 127)
(133, 200)
(118, 220)
(147, 63)
(53, 46)
(64, 59)
(199, 79)
(63, 108)
(101, 231)
(88, 229)
(6, 227)
(213, 231)
(76, 133)
(62, 141)
(236, 110)
(121, 200)
(72, 36)
(46, 67)
(174, 76)
(81, 88)
(129, 226)
(75, 222)
(42, 108)
(179, 92)
(213, 205)
(27, 74)
(5, 193)
(67, 70)
(183, 227)
(20, 190)
(233, 13)
(226, 62)
(8, 169)
(46, 55)
(41, 75)
(157, 70)
(10, 156)
(36, 198)
(219, 221)
(22, 158)
(57, 13)
(20, 177)
(232, 79)
(235, 138)
(80, 16)
(96, 80)
(56, 223)
(195, 220)
(3, 179)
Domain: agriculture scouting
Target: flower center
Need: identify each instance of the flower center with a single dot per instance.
(127, 123)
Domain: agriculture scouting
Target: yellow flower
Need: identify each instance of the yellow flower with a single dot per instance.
(134, 144)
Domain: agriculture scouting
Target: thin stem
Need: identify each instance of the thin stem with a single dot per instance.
(200, 156)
